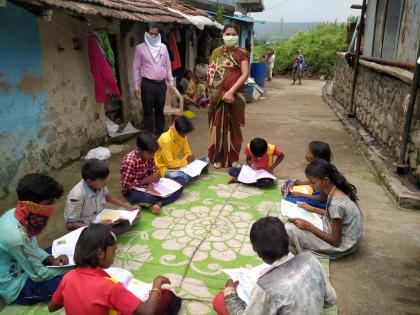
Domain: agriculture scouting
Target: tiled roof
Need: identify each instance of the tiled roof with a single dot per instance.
(134, 10)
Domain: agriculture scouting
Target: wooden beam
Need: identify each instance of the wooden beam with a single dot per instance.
(389, 62)
(399, 73)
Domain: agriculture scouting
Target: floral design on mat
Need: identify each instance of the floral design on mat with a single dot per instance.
(269, 207)
(194, 291)
(188, 197)
(237, 191)
(132, 257)
(218, 231)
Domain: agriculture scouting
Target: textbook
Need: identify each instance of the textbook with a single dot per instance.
(126, 278)
(250, 176)
(292, 211)
(164, 188)
(66, 245)
(194, 168)
(304, 189)
(115, 215)
(247, 279)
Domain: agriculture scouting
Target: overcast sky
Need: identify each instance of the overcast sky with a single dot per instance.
(307, 10)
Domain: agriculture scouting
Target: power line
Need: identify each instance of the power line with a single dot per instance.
(277, 5)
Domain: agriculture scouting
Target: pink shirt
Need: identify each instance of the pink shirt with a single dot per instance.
(145, 66)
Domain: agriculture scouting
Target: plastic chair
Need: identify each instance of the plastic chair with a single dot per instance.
(174, 104)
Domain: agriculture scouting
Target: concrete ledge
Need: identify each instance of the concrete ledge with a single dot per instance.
(374, 154)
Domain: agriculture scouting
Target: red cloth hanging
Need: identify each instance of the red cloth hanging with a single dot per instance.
(105, 81)
(176, 63)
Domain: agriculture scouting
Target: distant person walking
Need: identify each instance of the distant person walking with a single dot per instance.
(298, 67)
(228, 71)
(271, 57)
(151, 71)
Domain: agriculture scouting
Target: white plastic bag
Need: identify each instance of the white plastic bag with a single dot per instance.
(99, 153)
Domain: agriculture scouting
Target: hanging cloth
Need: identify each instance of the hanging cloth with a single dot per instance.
(105, 81)
(165, 42)
(103, 39)
(176, 63)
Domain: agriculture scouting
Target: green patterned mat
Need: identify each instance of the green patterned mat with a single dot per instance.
(193, 239)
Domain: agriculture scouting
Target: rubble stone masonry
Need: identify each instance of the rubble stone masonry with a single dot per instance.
(380, 104)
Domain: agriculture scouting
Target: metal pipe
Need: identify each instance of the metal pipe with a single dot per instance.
(402, 166)
(389, 62)
(351, 112)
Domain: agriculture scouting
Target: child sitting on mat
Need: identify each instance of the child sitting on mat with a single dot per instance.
(259, 156)
(89, 197)
(88, 289)
(24, 276)
(174, 151)
(138, 169)
(342, 217)
(291, 285)
(316, 150)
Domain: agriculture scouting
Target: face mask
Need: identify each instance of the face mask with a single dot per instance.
(153, 40)
(230, 40)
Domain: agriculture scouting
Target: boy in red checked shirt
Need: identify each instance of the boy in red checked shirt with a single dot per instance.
(260, 156)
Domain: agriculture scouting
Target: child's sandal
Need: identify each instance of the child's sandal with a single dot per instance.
(233, 180)
(156, 208)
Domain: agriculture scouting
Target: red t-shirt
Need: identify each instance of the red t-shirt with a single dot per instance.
(265, 161)
(87, 290)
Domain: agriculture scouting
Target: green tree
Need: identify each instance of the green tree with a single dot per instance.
(319, 47)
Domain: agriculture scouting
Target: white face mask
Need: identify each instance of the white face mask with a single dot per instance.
(153, 40)
(230, 40)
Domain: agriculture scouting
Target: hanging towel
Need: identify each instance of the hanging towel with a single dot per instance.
(105, 81)
(176, 63)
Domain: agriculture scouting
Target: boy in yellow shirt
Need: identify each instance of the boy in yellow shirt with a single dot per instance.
(174, 151)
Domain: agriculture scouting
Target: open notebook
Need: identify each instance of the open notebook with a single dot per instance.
(250, 176)
(291, 210)
(115, 215)
(194, 168)
(125, 277)
(164, 188)
(247, 279)
(66, 245)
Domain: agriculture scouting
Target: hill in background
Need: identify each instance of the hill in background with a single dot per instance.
(277, 31)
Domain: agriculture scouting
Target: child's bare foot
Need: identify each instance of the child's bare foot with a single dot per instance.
(156, 208)
(233, 180)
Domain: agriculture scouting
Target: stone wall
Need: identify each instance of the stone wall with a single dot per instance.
(380, 104)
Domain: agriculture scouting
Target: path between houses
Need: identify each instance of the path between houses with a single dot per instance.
(383, 277)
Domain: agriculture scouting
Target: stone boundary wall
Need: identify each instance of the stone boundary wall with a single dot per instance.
(380, 104)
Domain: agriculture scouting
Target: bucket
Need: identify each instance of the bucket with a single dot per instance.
(249, 90)
(258, 71)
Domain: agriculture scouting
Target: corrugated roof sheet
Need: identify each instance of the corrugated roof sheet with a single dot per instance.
(134, 10)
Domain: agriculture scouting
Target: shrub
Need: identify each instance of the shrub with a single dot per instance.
(318, 46)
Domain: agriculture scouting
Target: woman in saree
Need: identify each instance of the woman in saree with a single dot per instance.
(228, 71)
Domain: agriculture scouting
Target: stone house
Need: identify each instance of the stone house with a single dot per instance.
(48, 112)
(390, 47)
